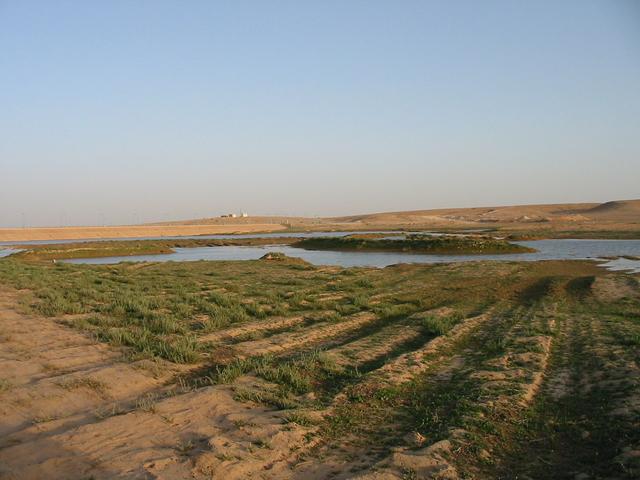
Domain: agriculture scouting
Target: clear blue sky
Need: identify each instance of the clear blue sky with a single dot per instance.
(123, 111)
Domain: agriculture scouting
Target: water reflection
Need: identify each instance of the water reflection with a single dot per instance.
(546, 250)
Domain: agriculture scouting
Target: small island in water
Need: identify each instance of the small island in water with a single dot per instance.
(437, 245)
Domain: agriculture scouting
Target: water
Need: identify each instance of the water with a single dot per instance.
(7, 251)
(221, 236)
(546, 250)
(622, 264)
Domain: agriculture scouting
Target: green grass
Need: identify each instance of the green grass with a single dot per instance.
(280, 400)
(91, 383)
(5, 385)
(161, 309)
(337, 386)
(435, 326)
(297, 375)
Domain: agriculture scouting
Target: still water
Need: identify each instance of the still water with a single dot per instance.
(546, 250)
(221, 236)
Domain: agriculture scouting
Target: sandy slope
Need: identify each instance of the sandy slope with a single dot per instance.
(616, 215)
(617, 212)
(623, 215)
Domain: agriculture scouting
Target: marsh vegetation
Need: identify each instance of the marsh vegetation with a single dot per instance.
(445, 244)
(122, 248)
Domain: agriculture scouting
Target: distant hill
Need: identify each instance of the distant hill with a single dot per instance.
(615, 219)
(615, 215)
(619, 210)
(626, 211)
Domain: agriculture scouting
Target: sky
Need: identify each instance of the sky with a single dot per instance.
(116, 112)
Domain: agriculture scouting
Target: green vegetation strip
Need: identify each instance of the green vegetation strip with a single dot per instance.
(416, 243)
(121, 248)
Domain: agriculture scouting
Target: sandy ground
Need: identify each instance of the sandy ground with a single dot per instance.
(77, 409)
(610, 216)
(69, 233)
(617, 215)
(74, 408)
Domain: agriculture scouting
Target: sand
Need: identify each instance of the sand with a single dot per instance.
(623, 216)
(74, 408)
(72, 233)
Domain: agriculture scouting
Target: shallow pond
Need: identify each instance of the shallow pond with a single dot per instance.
(4, 252)
(546, 250)
(221, 236)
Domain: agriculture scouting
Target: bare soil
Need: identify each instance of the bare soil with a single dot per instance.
(596, 219)
(129, 231)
